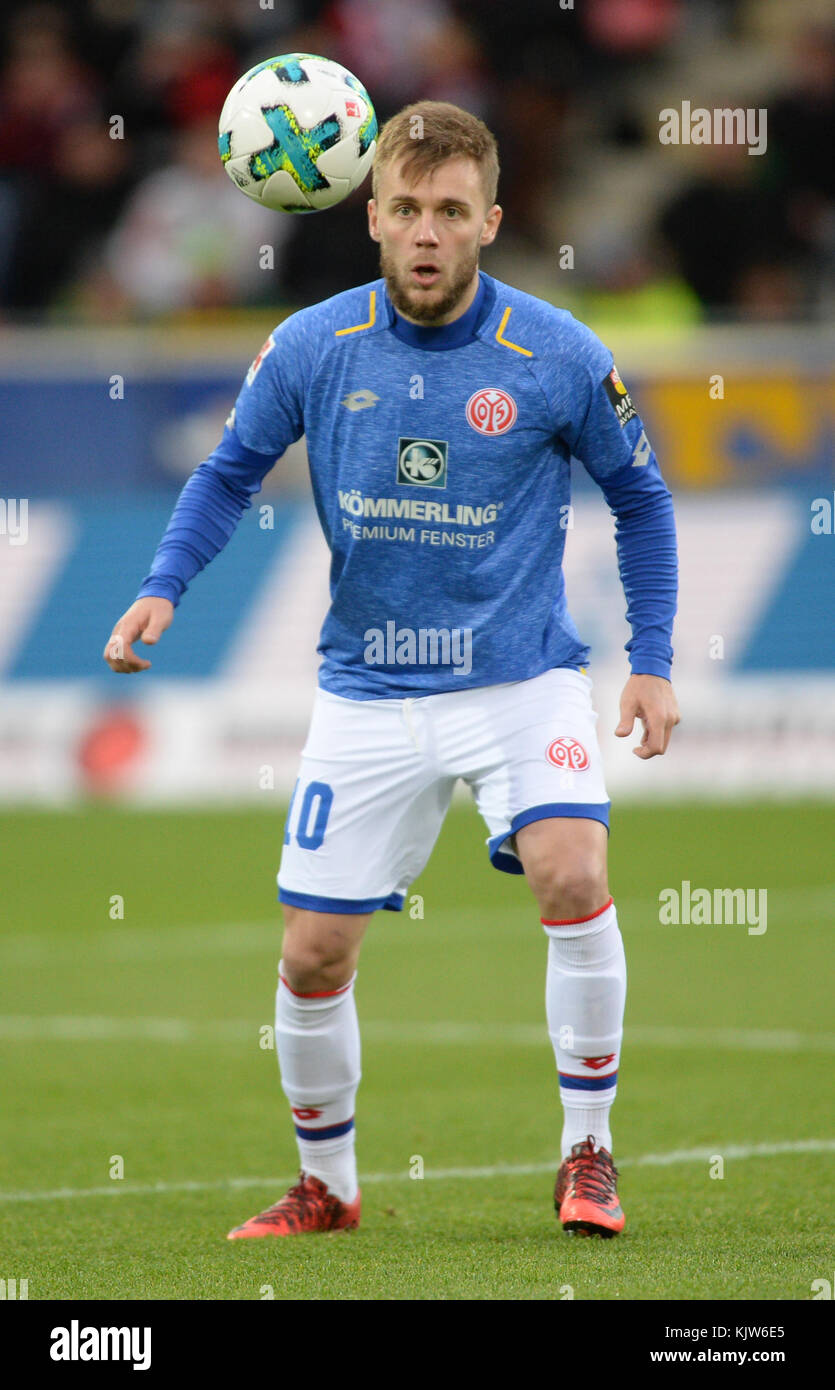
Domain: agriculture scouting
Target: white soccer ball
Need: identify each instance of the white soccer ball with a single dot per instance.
(297, 133)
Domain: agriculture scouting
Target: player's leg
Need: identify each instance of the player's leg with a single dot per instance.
(546, 805)
(565, 864)
(317, 1041)
(320, 949)
(366, 811)
(585, 992)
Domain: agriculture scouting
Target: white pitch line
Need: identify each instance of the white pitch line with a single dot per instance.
(93, 1028)
(76, 1028)
(733, 1039)
(497, 1170)
(170, 942)
(152, 944)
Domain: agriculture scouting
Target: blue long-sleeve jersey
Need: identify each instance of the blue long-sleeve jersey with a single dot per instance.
(440, 462)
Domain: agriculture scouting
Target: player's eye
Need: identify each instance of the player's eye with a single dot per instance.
(452, 212)
(403, 208)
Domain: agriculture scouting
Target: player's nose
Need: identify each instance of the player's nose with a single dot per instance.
(425, 233)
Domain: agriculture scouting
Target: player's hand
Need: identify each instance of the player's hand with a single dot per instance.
(650, 699)
(146, 619)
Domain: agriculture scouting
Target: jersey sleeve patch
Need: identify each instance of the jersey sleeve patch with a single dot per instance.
(256, 364)
(619, 397)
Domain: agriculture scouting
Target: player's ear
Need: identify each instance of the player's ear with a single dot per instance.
(491, 225)
(373, 228)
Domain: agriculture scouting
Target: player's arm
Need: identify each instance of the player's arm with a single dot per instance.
(645, 535)
(612, 444)
(265, 420)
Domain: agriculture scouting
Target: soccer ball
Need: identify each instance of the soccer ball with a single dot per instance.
(297, 133)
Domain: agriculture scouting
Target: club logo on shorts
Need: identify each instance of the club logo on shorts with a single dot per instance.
(422, 462)
(491, 411)
(568, 753)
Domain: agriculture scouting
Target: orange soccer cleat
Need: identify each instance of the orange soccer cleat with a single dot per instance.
(307, 1207)
(586, 1194)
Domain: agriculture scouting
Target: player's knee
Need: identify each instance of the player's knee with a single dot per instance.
(567, 891)
(310, 966)
(314, 955)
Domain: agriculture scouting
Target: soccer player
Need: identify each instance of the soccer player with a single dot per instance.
(441, 409)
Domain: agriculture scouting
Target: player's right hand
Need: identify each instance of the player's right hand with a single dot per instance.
(146, 619)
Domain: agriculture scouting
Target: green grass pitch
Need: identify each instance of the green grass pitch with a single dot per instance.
(141, 1037)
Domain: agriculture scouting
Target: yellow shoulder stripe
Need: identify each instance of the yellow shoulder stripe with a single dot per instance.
(372, 314)
(505, 342)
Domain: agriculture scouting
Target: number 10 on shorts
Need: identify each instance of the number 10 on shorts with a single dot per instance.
(312, 821)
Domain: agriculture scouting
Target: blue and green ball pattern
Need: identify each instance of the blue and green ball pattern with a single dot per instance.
(296, 150)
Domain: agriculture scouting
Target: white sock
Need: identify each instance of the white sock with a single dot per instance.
(585, 993)
(318, 1044)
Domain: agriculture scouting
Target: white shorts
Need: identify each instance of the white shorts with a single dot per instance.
(377, 777)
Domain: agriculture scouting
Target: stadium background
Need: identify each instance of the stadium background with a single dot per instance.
(131, 259)
(133, 295)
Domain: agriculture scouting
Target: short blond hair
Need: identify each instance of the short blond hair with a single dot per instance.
(427, 133)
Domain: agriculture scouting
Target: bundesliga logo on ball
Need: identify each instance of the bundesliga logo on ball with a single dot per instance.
(297, 133)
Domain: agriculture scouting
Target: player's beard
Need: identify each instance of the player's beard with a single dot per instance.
(419, 304)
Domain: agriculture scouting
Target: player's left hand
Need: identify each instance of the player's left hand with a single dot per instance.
(650, 699)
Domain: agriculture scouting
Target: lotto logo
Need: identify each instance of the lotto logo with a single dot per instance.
(568, 753)
(305, 1112)
(491, 411)
(596, 1063)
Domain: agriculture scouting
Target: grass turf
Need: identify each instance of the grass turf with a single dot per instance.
(142, 1037)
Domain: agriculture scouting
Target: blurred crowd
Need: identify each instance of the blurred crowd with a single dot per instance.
(114, 205)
